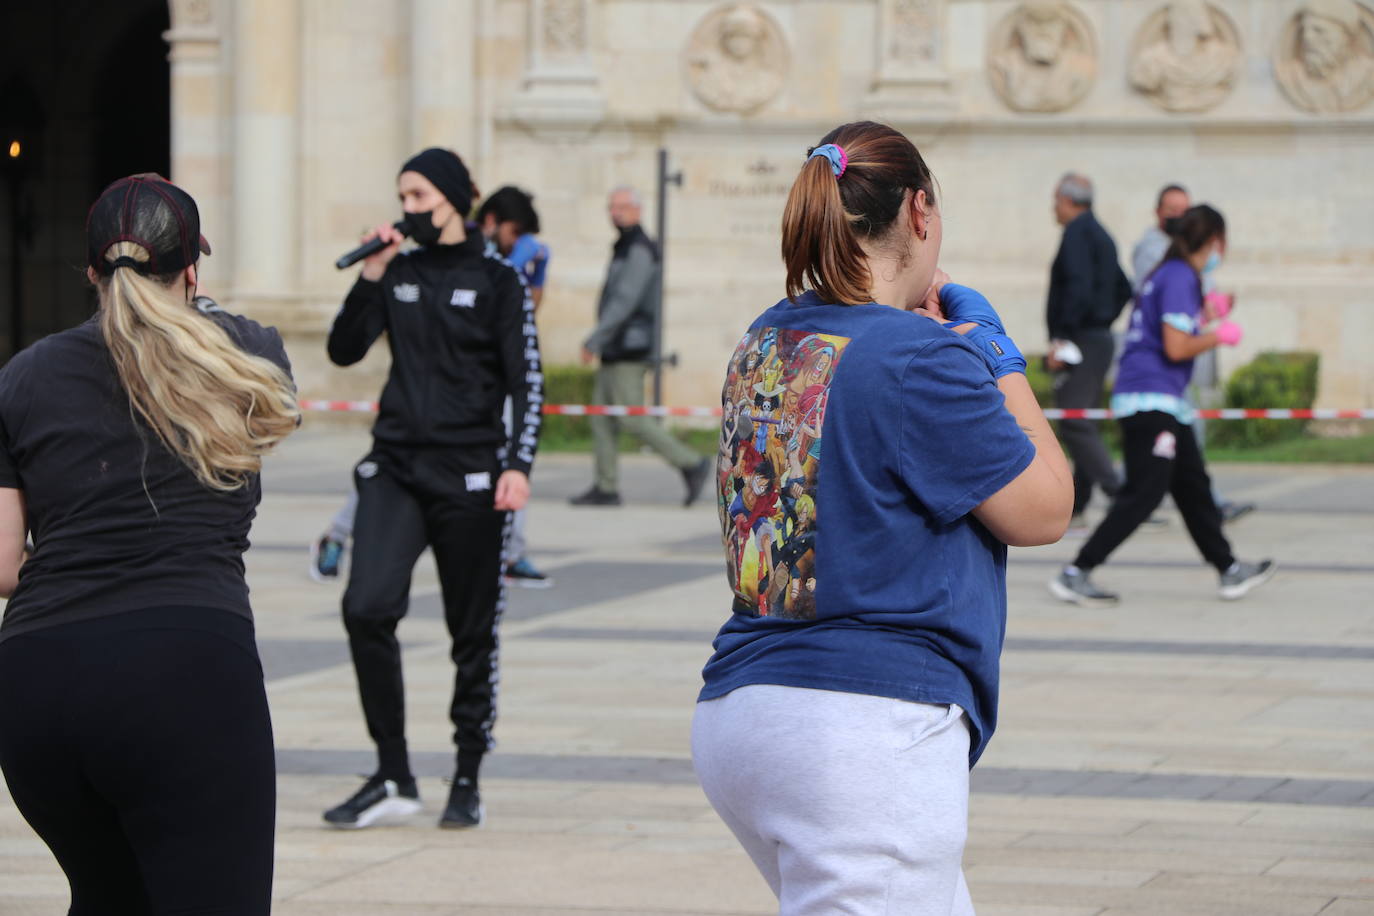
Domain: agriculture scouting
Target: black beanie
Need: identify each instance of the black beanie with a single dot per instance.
(446, 172)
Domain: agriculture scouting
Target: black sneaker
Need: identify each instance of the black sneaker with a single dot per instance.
(326, 556)
(693, 478)
(524, 574)
(378, 798)
(1237, 581)
(464, 808)
(596, 497)
(1076, 588)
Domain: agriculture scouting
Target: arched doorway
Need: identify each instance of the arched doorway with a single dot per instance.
(84, 99)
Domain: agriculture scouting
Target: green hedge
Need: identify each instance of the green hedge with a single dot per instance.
(567, 385)
(1270, 380)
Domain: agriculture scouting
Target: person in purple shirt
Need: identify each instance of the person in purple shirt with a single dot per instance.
(1167, 331)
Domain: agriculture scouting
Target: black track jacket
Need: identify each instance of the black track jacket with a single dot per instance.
(461, 329)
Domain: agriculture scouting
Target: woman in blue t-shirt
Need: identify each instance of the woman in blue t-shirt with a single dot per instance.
(880, 449)
(1161, 453)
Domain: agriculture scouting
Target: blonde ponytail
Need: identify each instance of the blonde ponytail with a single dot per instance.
(218, 408)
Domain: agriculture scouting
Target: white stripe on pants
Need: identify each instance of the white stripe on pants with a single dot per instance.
(847, 803)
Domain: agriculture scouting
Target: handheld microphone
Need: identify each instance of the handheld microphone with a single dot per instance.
(369, 248)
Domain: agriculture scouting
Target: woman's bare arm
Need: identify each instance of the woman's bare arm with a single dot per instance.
(14, 530)
(1035, 507)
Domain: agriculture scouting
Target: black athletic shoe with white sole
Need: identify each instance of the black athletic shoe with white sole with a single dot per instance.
(464, 808)
(1237, 581)
(379, 799)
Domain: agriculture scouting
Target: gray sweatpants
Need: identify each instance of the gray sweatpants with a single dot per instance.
(847, 803)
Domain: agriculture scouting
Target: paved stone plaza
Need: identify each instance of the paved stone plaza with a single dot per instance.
(1176, 755)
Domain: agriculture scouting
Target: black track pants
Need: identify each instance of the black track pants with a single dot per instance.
(1080, 386)
(139, 748)
(1162, 456)
(409, 499)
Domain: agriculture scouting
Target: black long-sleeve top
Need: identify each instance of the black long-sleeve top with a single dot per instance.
(460, 324)
(1087, 286)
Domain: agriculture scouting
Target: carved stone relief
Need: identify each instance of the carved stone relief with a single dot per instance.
(737, 59)
(1325, 58)
(192, 12)
(1186, 57)
(1042, 56)
(912, 33)
(565, 27)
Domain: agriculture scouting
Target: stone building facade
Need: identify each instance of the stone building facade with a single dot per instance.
(290, 118)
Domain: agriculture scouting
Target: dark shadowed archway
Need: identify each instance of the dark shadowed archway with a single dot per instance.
(85, 100)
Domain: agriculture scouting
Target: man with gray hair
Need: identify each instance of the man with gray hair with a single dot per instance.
(1087, 290)
(623, 342)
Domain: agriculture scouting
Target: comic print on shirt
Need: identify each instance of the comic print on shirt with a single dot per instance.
(770, 450)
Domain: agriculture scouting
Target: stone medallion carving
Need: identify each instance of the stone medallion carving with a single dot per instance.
(737, 59)
(1325, 58)
(1042, 56)
(1186, 57)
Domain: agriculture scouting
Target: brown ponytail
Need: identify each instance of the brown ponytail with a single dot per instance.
(828, 217)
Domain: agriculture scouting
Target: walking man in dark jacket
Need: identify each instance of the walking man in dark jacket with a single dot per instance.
(1087, 290)
(623, 341)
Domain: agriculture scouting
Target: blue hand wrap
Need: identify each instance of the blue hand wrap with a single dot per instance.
(963, 305)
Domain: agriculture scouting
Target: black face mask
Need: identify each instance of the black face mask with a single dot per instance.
(420, 227)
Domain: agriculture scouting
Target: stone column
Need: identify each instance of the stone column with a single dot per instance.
(266, 185)
(561, 88)
(197, 120)
(911, 75)
(443, 76)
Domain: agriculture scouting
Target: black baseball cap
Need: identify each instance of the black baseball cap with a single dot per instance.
(151, 211)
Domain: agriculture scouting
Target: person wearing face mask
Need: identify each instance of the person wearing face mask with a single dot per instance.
(854, 682)
(1168, 330)
(443, 471)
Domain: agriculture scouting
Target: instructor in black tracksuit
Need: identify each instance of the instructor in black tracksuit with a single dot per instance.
(442, 472)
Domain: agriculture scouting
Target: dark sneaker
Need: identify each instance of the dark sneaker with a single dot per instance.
(1237, 581)
(1077, 588)
(326, 556)
(377, 800)
(1231, 511)
(523, 573)
(464, 808)
(595, 497)
(693, 478)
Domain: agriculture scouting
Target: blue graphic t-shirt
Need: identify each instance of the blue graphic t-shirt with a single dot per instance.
(855, 442)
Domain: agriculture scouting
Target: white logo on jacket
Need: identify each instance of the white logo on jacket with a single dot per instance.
(479, 481)
(464, 298)
(406, 292)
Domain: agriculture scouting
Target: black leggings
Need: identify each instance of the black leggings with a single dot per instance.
(1162, 456)
(139, 748)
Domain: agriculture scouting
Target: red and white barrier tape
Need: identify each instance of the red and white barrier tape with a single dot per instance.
(1053, 413)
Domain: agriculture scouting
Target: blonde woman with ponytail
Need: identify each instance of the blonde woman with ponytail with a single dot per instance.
(880, 450)
(134, 729)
